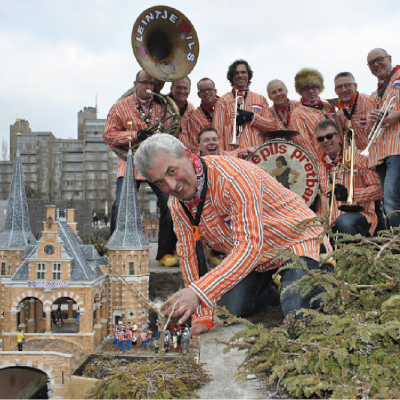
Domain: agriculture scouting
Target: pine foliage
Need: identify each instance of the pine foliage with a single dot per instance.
(350, 348)
(146, 379)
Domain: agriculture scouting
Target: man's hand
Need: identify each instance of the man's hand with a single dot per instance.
(392, 118)
(186, 303)
(341, 193)
(143, 135)
(247, 152)
(243, 117)
(195, 330)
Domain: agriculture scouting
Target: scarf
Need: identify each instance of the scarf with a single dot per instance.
(352, 105)
(383, 84)
(285, 110)
(319, 104)
(142, 103)
(328, 163)
(199, 199)
(241, 92)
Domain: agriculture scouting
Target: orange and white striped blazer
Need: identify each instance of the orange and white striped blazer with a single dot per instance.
(248, 216)
(250, 136)
(367, 189)
(358, 120)
(280, 122)
(117, 130)
(304, 120)
(197, 121)
(389, 142)
(184, 135)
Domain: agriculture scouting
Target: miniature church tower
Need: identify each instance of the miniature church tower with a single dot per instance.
(128, 255)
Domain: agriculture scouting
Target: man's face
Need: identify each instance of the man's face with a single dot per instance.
(142, 84)
(241, 77)
(180, 90)
(278, 94)
(206, 92)
(379, 63)
(174, 176)
(209, 143)
(310, 94)
(329, 146)
(345, 88)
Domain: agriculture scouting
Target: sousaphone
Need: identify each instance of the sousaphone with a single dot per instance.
(166, 46)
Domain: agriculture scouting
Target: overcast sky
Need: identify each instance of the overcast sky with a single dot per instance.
(59, 56)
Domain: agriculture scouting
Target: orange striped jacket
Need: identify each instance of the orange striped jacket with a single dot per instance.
(389, 142)
(223, 120)
(358, 120)
(304, 120)
(280, 122)
(197, 122)
(117, 131)
(248, 216)
(184, 134)
(367, 189)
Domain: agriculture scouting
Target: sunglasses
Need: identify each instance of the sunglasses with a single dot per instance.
(329, 136)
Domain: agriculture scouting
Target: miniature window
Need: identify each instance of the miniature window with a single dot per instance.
(56, 271)
(131, 268)
(3, 268)
(40, 270)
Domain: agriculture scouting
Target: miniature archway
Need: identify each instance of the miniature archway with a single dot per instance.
(24, 383)
(31, 317)
(64, 315)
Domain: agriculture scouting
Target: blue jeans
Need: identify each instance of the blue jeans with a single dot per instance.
(166, 235)
(389, 174)
(257, 291)
(352, 223)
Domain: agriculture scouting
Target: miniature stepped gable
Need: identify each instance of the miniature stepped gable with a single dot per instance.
(17, 230)
(129, 233)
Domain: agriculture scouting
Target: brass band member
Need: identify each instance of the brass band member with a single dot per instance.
(202, 117)
(309, 84)
(282, 107)
(385, 153)
(366, 184)
(253, 117)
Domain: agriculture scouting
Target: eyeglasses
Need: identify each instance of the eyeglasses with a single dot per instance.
(376, 60)
(210, 89)
(344, 86)
(329, 136)
(151, 83)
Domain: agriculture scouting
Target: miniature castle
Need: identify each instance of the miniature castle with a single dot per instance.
(58, 269)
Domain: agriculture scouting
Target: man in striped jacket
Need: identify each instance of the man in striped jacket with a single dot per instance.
(385, 152)
(309, 84)
(202, 117)
(254, 117)
(282, 107)
(239, 210)
(366, 184)
(131, 117)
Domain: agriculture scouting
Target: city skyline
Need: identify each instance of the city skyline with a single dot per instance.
(60, 58)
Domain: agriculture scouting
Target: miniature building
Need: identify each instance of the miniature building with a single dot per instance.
(59, 271)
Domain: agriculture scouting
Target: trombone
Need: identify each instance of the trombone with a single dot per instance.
(377, 130)
(237, 131)
(348, 158)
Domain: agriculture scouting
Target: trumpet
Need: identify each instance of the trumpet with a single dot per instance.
(348, 158)
(377, 130)
(237, 131)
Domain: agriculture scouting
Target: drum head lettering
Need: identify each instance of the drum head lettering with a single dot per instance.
(290, 165)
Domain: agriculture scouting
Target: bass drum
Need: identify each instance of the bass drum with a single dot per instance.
(290, 165)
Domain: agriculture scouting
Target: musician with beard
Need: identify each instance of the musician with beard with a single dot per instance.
(253, 118)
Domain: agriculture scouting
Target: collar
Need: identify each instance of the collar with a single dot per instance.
(326, 160)
(200, 176)
(344, 106)
(143, 103)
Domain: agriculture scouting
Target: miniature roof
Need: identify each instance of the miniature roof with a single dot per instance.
(128, 234)
(85, 259)
(17, 231)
